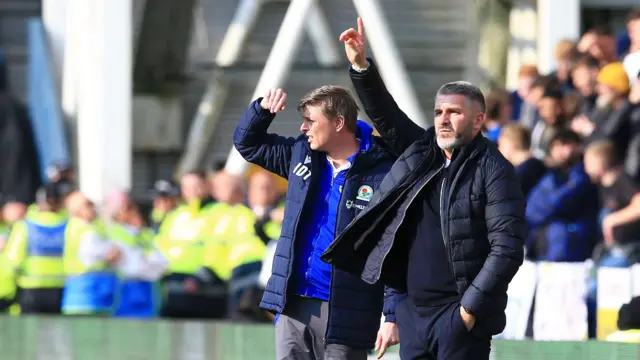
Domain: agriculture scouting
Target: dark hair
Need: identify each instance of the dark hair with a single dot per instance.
(601, 30)
(546, 81)
(554, 92)
(495, 100)
(566, 137)
(466, 89)
(587, 61)
(634, 15)
(335, 101)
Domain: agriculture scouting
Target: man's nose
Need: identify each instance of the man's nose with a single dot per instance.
(304, 128)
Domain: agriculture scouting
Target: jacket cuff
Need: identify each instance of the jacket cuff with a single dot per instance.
(473, 303)
(354, 73)
(390, 318)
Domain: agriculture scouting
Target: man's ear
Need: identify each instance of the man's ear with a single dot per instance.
(478, 121)
(340, 123)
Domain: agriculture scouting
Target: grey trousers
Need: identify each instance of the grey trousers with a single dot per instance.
(300, 331)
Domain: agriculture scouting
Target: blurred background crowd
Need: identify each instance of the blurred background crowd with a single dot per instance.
(574, 137)
(196, 254)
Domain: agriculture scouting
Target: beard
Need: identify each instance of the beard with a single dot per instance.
(454, 139)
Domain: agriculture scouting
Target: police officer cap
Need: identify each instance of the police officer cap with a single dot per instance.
(166, 188)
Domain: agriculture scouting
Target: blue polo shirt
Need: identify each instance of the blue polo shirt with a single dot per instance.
(311, 277)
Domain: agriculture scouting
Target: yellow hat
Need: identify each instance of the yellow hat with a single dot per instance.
(614, 76)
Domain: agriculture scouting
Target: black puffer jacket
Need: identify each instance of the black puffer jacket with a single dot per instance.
(483, 212)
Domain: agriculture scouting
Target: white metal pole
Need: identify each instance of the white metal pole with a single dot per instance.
(77, 18)
(278, 65)
(388, 59)
(238, 32)
(557, 20)
(105, 96)
(54, 19)
(523, 25)
(203, 125)
(324, 42)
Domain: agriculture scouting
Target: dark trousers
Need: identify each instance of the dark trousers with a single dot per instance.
(437, 332)
(40, 301)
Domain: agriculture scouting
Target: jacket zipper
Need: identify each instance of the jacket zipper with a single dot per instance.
(443, 225)
(346, 176)
(384, 256)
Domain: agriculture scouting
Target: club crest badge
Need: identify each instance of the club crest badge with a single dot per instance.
(365, 193)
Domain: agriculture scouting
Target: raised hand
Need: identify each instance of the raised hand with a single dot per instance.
(274, 100)
(354, 45)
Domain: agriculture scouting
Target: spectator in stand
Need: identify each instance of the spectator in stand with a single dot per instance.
(562, 209)
(632, 59)
(520, 105)
(498, 113)
(553, 121)
(566, 55)
(614, 114)
(599, 42)
(585, 79)
(264, 200)
(166, 195)
(515, 145)
(620, 196)
(632, 160)
(537, 90)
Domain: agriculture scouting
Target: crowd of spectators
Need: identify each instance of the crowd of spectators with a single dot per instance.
(574, 137)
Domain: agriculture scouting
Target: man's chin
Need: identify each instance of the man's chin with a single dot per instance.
(446, 143)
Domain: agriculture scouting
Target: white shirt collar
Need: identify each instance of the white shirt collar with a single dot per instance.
(337, 170)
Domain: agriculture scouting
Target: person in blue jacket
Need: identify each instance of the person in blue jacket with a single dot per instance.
(333, 169)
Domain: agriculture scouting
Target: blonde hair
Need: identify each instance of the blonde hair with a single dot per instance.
(565, 50)
(603, 151)
(518, 134)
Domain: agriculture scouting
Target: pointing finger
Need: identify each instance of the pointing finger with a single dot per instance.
(360, 26)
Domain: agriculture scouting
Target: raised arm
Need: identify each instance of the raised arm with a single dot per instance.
(392, 123)
(270, 151)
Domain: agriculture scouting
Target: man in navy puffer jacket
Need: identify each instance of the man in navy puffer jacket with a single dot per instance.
(333, 169)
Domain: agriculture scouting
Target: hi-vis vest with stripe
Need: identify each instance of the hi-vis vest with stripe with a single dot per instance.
(35, 250)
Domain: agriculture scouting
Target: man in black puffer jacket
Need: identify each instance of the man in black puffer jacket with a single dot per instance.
(446, 226)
